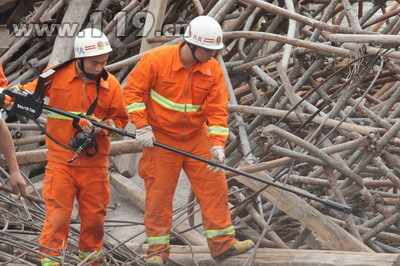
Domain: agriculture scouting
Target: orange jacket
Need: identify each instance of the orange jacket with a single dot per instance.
(69, 93)
(162, 93)
(3, 79)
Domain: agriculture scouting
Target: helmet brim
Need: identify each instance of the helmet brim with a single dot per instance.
(206, 46)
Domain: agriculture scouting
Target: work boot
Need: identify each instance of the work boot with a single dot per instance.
(155, 261)
(238, 248)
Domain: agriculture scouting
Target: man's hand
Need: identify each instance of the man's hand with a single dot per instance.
(8, 101)
(145, 136)
(87, 126)
(217, 154)
(5, 100)
(18, 183)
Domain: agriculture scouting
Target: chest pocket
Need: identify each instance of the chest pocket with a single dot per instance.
(58, 96)
(200, 89)
(167, 87)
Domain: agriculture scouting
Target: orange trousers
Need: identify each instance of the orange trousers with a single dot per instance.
(62, 183)
(160, 170)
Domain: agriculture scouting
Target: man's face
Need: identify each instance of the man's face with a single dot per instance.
(94, 65)
(204, 55)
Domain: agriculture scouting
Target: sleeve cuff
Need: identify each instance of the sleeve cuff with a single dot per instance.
(218, 142)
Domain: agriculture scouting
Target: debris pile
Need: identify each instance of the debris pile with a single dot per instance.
(314, 105)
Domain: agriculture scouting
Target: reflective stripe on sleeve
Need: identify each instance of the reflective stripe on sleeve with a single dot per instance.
(134, 107)
(218, 130)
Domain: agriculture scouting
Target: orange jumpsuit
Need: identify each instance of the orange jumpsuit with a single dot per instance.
(187, 110)
(3, 79)
(87, 177)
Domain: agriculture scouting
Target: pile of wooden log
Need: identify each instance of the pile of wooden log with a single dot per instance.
(314, 105)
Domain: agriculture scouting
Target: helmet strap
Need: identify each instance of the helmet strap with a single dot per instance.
(192, 49)
(82, 67)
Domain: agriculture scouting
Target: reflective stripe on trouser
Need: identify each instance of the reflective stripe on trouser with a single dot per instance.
(90, 256)
(158, 240)
(222, 232)
(161, 168)
(91, 187)
(50, 262)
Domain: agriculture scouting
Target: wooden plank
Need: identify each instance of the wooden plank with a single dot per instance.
(297, 208)
(181, 255)
(127, 164)
(74, 17)
(4, 2)
(4, 37)
(129, 189)
(6, 5)
(39, 156)
(21, 10)
(137, 196)
(154, 20)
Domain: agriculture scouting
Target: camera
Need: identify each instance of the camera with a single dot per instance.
(84, 139)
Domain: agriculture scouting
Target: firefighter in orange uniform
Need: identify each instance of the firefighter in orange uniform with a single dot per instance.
(3, 79)
(18, 183)
(177, 96)
(81, 86)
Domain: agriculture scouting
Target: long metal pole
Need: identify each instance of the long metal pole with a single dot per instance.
(329, 203)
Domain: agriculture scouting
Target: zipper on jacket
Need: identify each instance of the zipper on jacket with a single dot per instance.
(82, 110)
(184, 113)
(83, 96)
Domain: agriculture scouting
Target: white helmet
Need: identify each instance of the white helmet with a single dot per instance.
(91, 42)
(204, 31)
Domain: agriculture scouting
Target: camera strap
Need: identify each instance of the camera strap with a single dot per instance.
(92, 107)
(103, 75)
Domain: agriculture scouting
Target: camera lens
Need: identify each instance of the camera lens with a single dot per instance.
(79, 140)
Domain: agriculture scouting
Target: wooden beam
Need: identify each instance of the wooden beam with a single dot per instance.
(127, 164)
(295, 207)
(129, 189)
(6, 5)
(39, 156)
(74, 17)
(4, 37)
(181, 255)
(154, 20)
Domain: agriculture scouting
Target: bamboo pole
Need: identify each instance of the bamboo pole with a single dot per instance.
(323, 48)
(364, 130)
(363, 38)
(302, 19)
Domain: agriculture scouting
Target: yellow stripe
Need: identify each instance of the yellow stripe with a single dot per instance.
(179, 107)
(84, 255)
(134, 107)
(158, 240)
(57, 116)
(223, 232)
(50, 262)
(218, 130)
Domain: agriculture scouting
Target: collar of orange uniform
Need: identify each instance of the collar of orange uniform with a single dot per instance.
(71, 74)
(202, 67)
